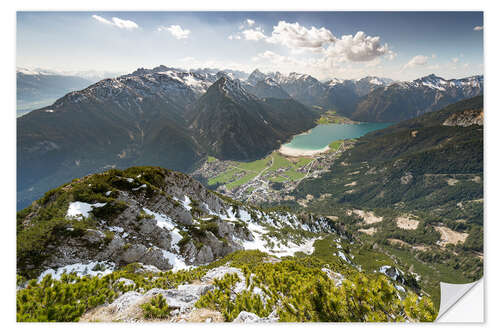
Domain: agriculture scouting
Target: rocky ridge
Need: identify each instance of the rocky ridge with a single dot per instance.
(157, 217)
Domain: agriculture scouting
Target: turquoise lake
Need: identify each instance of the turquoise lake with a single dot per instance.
(321, 135)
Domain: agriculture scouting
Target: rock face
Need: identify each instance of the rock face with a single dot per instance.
(465, 118)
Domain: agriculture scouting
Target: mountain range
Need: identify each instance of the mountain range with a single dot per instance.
(171, 117)
(374, 99)
(161, 116)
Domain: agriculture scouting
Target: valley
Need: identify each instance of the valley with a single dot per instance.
(271, 179)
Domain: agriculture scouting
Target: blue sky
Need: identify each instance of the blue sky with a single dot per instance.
(398, 45)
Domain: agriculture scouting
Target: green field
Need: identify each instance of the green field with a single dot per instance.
(255, 166)
(331, 117)
(224, 177)
(251, 169)
(278, 179)
(335, 144)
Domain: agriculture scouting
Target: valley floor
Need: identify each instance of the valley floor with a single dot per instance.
(272, 178)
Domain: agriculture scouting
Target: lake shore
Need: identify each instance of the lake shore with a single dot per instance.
(294, 152)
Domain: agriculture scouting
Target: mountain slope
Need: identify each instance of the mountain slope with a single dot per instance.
(231, 123)
(405, 154)
(116, 122)
(401, 101)
(267, 88)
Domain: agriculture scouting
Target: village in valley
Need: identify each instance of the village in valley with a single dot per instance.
(270, 179)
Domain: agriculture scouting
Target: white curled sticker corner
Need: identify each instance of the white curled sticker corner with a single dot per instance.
(457, 305)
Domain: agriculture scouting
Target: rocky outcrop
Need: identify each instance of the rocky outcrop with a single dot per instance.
(465, 118)
(249, 317)
(180, 300)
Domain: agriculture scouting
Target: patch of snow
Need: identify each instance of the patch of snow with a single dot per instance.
(245, 216)
(278, 249)
(186, 203)
(433, 86)
(400, 288)
(107, 193)
(342, 255)
(166, 222)
(138, 188)
(116, 229)
(80, 270)
(289, 250)
(79, 210)
(176, 261)
(130, 180)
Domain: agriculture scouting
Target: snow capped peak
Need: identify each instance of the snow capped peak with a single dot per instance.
(232, 89)
(269, 81)
(334, 82)
(255, 77)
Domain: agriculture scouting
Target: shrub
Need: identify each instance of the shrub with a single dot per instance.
(157, 308)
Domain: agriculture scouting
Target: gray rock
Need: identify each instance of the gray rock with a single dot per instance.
(126, 282)
(148, 256)
(148, 226)
(205, 255)
(190, 252)
(93, 236)
(407, 178)
(126, 301)
(247, 317)
(182, 298)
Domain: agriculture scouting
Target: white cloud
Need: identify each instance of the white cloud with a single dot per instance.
(391, 55)
(293, 35)
(117, 22)
(102, 19)
(478, 28)
(176, 31)
(250, 22)
(418, 60)
(124, 24)
(254, 34)
(358, 48)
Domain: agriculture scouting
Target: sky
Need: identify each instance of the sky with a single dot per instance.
(345, 45)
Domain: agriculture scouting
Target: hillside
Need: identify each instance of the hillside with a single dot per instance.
(115, 122)
(126, 237)
(420, 183)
